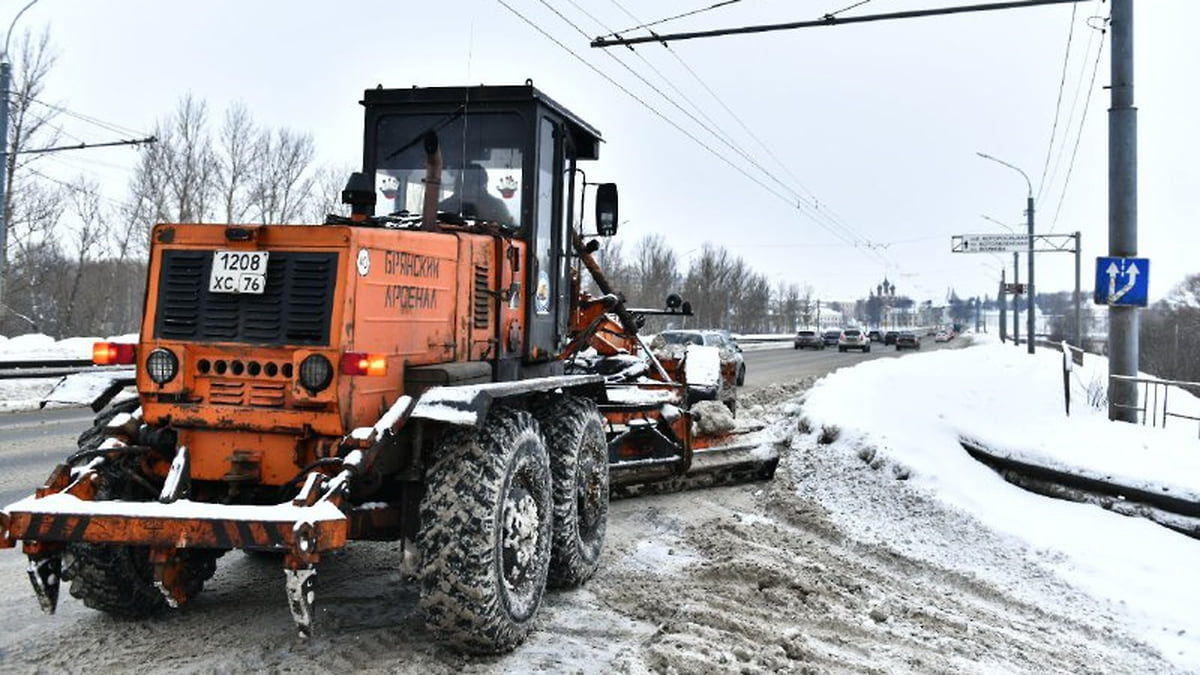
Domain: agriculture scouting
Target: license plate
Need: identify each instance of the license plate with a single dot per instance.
(238, 272)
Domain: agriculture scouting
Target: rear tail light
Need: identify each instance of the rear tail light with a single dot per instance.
(373, 365)
(113, 353)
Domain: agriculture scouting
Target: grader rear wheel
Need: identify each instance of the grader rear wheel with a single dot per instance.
(574, 434)
(486, 527)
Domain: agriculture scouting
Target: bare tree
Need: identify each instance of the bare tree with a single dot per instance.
(280, 185)
(30, 125)
(655, 272)
(238, 159)
(325, 196)
(177, 177)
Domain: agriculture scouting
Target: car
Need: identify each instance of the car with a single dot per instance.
(831, 337)
(853, 338)
(907, 340)
(875, 336)
(806, 339)
(943, 336)
(889, 338)
(731, 351)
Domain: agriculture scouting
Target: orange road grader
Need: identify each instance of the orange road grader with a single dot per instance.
(427, 370)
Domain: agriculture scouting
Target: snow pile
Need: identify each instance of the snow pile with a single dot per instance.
(910, 413)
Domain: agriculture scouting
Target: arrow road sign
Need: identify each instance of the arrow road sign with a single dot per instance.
(1122, 281)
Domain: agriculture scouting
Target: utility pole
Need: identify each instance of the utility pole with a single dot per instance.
(1028, 286)
(1029, 289)
(5, 79)
(1079, 318)
(5, 157)
(1002, 301)
(1016, 302)
(1122, 212)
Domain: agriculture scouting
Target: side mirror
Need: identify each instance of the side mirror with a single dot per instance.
(606, 209)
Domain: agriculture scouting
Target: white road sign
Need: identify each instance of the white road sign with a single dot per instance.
(989, 243)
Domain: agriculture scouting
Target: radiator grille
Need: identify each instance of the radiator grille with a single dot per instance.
(294, 308)
(258, 394)
(483, 297)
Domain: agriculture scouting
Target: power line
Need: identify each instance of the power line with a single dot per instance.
(816, 212)
(1071, 166)
(847, 235)
(827, 21)
(1079, 87)
(691, 136)
(1062, 82)
(108, 126)
(826, 213)
(678, 16)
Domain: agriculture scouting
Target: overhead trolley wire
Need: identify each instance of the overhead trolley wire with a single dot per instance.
(693, 12)
(1062, 83)
(662, 116)
(1079, 133)
(847, 235)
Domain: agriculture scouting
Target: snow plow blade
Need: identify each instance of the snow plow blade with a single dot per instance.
(739, 457)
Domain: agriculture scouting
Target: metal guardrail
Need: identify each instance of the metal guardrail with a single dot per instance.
(39, 368)
(1154, 403)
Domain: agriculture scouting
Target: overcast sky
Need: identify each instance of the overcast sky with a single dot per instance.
(874, 126)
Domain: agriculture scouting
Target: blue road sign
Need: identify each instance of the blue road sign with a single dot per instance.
(1122, 281)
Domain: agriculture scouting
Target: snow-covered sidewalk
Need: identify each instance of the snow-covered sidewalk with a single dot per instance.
(912, 412)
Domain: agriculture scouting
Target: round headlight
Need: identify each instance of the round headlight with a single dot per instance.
(162, 366)
(316, 372)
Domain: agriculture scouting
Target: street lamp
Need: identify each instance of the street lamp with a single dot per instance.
(1016, 280)
(1029, 220)
(5, 78)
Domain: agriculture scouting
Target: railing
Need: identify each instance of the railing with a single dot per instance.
(1154, 402)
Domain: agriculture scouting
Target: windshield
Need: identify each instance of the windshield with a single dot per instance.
(681, 338)
(482, 157)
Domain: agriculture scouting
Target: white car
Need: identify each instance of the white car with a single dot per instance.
(853, 338)
(943, 336)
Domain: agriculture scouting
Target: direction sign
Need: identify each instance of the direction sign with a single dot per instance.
(1122, 281)
(989, 243)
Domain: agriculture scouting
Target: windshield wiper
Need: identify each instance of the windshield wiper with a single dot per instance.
(441, 124)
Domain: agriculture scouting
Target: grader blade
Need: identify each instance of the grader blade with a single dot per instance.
(741, 457)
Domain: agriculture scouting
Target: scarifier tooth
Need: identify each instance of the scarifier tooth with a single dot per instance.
(45, 574)
(301, 598)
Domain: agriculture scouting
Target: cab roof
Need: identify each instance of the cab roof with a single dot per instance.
(585, 138)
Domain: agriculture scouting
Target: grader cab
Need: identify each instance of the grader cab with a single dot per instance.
(427, 370)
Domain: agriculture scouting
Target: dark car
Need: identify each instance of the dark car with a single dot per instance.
(889, 338)
(907, 340)
(808, 339)
(831, 337)
(875, 336)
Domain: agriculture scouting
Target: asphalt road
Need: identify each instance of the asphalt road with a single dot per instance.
(31, 443)
(781, 363)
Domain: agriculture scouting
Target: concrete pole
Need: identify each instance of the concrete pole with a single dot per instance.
(1003, 309)
(1078, 313)
(1029, 290)
(1016, 300)
(5, 83)
(1122, 211)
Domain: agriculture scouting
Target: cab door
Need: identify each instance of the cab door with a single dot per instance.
(547, 285)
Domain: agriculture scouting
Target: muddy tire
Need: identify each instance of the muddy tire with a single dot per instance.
(93, 437)
(574, 433)
(116, 579)
(119, 580)
(485, 533)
